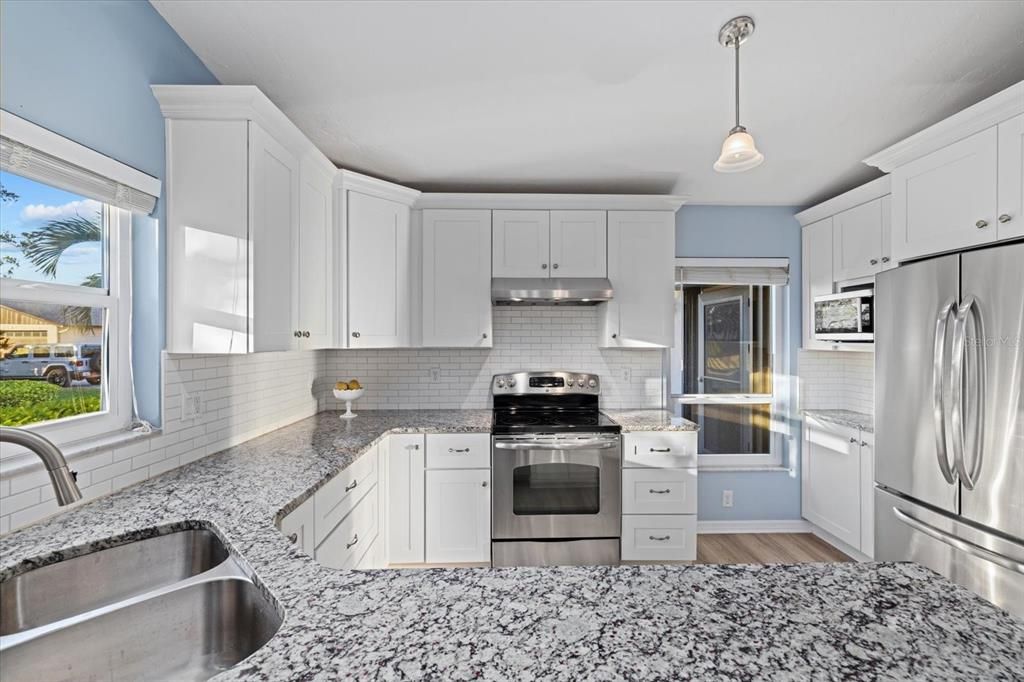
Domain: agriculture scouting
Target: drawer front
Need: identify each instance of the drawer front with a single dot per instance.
(660, 449)
(459, 451)
(672, 538)
(349, 540)
(339, 495)
(659, 491)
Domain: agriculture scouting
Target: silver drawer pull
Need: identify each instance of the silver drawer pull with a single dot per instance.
(660, 538)
(354, 541)
(458, 450)
(661, 449)
(293, 538)
(351, 487)
(660, 492)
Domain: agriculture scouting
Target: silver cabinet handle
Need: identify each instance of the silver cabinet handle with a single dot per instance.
(615, 336)
(981, 224)
(416, 447)
(1005, 218)
(297, 334)
(483, 484)
(959, 543)
(938, 379)
(351, 487)
(874, 261)
(485, 335)
(864, 443)
(293, 538)
(458, 450)
(555, 266)
(661, 449)
(543, 266)
(885, 259)
(660, 492)
(355, 539)
(660, 538)
(853, 440)
(355, 335)
(959, 374)
(305, 335)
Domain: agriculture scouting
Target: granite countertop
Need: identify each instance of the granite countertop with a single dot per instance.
(649, 420)
(851, 621)
(855, 420)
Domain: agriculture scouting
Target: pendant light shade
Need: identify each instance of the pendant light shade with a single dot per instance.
(739, 153)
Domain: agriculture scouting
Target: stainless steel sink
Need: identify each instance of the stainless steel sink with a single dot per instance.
(86, 582)
(176, 607)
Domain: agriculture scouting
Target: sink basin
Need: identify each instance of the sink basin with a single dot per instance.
(51, 593)
(188, 634)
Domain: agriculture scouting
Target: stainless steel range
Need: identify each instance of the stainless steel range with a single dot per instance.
(556, 472)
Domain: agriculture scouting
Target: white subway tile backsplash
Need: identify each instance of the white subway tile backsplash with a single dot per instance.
(837, 380)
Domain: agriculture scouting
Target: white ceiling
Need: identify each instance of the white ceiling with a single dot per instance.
(621, 97)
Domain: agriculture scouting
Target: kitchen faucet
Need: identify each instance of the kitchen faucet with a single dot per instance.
(63, 480)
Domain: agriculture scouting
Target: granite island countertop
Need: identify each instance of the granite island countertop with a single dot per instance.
(851, 621)
(855, 420)
(648, 419)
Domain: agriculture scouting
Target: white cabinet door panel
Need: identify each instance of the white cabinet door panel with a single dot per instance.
(274, 178)
(867, 493)
(457, 278)
(298, 526)
(659, 449)
(1011, 178)
(857, 241)
(817, 275)
(946, 200)
(378, 272)
(659, 491)
(315, 259)
(831, 475)
(405, 504)
(458, 516)
(579, 243)
(665, 537)
(458, 451)
(521, 243)
(348, 540)
(339, 495)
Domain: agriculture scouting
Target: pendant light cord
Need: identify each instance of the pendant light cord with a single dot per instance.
(737, 83)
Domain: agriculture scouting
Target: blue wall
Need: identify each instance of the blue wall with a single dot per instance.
(748, 231)
(83, 69)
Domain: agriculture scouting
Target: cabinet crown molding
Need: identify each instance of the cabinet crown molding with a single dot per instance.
(366, 184)
(238, 102)
(999, 107)
(609, 202)
(855, 197)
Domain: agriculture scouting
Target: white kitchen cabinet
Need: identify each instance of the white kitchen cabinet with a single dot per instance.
(521, 243)
(378, 277)
(405, 503)
(350, 539)
(659, 491)
(458, 451)
(659, 449)
(298, 526)
(659, 537)
(1011, 179)
(315, 271)
(641, 259)
(579, 244)
(457, 278)
(458, 527)
(858, 242)
(867, 493)
(816, 261)
(946, 200)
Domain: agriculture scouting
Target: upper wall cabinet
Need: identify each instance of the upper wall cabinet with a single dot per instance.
(816, 262)
(958, 183)
(861, 240)
(457, 278)
(641, 255)
(560, 243)
(315, 260)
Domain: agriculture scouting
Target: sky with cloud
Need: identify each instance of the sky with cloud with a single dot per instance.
(38, 204)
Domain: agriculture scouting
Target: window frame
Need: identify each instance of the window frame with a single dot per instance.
(778, 400)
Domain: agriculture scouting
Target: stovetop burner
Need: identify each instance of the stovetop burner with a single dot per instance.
(548, 402)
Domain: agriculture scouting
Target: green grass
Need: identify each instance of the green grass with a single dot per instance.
(28, 402)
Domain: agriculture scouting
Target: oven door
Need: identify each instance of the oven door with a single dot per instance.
(556, 487)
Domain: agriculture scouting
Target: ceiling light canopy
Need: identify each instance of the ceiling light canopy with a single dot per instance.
(739, 153)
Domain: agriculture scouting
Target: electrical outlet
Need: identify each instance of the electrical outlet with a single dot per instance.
(191, 406)
(726, 498)
(627, 374)
(435, 374)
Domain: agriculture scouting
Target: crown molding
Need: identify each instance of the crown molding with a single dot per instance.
(999, 107)
(617, 202)
(878, 187)
(365, 184)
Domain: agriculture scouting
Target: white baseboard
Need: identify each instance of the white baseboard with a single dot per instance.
(848, 550)
(780, 526)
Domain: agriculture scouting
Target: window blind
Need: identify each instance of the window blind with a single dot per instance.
(751, 271)
(21, 159)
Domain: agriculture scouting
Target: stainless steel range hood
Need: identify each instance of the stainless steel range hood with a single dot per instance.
(550, 291)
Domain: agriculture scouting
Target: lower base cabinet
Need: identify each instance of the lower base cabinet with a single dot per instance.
(458, 523)
(345, 546)
(298, 526)
(659, 537)
(405, 503)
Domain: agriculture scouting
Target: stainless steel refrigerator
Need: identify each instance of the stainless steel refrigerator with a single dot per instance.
(949, 415)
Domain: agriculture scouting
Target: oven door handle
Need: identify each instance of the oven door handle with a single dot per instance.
(555, 445)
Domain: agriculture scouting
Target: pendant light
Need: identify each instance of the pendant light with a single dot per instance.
(738, 151)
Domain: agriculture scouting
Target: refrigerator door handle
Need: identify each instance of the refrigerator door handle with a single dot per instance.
(958, 543)
(960, 377)
(938, 380)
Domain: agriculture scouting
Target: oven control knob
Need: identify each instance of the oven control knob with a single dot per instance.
(511, 382)
(501, 382)
(592, 383)
(581, 382)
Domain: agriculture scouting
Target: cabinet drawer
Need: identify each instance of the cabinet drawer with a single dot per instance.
(660, 449)
(459, 451)
(659, 491)
(659, 537)
(340, 494)
(348, 541)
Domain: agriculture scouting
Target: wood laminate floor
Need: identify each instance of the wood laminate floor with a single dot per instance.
(765, 548)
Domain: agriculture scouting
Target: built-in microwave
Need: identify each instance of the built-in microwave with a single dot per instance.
(846, 316)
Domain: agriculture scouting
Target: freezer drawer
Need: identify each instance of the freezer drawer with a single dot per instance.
(988, 565)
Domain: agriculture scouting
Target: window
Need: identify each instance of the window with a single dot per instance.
(65, 229)
(723, 373)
